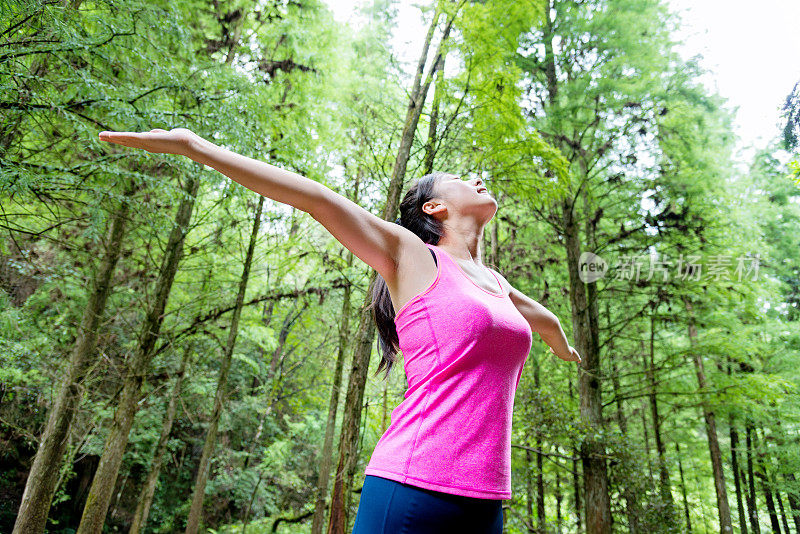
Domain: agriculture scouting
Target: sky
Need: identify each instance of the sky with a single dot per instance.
(752, 51)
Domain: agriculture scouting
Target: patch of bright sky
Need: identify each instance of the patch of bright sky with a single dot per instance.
(752, 53)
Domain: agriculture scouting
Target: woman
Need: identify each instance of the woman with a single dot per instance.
(443, 465)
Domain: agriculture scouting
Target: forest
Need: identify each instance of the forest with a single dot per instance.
(181, 354)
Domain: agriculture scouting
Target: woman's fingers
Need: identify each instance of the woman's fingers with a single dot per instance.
(118, 137)
(157, 141)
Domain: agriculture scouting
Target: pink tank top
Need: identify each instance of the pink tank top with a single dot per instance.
(463, 349)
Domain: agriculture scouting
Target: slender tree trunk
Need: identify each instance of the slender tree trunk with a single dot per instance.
(576, 478)
(773, 516)
(196, 510)
(146, 499)
(592, 450)
(761, 473)
(683, 489)
(734, 435)
(789, 477)
(430, 145)
(348, 443)
(725, 524)
(646, 432)
(751, 482)
(529, 490)
(333, 405)
(43, 476)
(784, 521)
(632, 508)
(663, 474)
(559, 497)
(541, 525)
(541, 520)
(794, 502)
(94, 513)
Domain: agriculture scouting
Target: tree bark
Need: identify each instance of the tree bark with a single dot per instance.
(794, 502)
(734, 435)
(755, 526)
(348, 443)
(94, 513)
(632, 508)
(761, 473)
(592, 451)
(351, 420)
(196, 510)
(430, 145)
(683, 489)
(41, 483)
(146, 499)
(333, 405)
(529, 490)
(559, 498)
(782, 510)
(541, 525)
(576, 478)
(725, 524)
(663, 474)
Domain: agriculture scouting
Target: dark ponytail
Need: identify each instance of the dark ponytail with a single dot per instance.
(430, 231)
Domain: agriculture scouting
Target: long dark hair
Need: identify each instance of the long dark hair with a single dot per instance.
(430, 231)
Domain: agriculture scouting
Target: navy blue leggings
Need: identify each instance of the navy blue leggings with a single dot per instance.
(389, 507)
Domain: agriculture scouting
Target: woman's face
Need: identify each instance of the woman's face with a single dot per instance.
(465, 197)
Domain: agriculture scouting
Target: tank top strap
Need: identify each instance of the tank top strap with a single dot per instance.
(443, 262)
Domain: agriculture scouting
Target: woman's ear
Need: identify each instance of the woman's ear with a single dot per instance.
(432, 207)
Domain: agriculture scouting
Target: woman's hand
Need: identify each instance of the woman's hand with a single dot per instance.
(176, 141)
(573, 355)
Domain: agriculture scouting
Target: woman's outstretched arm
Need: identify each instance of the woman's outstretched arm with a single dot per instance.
(373, 240)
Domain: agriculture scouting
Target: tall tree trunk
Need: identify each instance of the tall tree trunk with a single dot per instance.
(41, 483)
(794, 502)
(576, 478)
(430, 145)
(663, 474)
(333, 405)
(196, 510)
(146, 499)
(734, 435)
(751, 482)
(646, 432)
(791, 494)
(725, 524)
(592, 451)
(784, 521)
(94, 513)
(348, 442)
(761, 473)
(559, 498)
(683, 489)
(540, 517)
(529, 490)
(632, 507)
